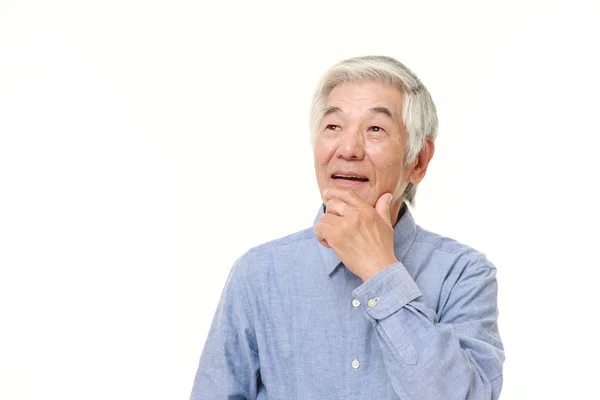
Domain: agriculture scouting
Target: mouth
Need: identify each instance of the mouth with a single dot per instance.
(355, 178)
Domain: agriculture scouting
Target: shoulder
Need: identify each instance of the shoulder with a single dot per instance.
(453, 275)
(280, 251)
(290, 242)
(449, 250)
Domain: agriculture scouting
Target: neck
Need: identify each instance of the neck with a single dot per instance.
(397, 209)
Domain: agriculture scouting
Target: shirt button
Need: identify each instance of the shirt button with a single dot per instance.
(372, 303)
(355, 303)
(355, 364)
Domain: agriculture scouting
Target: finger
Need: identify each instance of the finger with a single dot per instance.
(322, 231)
(337, 207)
(331, 219)
(383, 206)
(348, 196)
(324, 243)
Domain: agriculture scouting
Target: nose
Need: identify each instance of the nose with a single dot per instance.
(351, 145)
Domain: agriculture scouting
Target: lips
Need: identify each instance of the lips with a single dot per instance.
(350, 177)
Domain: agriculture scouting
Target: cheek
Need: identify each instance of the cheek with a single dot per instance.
(388, 164)
(323, 152)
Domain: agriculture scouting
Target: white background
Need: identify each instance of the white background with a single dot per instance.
(145, 145)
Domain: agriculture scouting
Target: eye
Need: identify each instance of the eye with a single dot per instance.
(331, 127)
(376, 129)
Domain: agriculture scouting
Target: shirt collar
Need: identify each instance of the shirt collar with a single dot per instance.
(404, 235)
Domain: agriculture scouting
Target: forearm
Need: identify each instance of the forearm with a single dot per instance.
(427, 359)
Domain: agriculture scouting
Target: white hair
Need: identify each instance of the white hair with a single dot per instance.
(418, 110)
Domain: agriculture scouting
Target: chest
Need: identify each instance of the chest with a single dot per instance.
(314, 338)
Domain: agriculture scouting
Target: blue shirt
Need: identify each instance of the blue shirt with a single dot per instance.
(294, 323)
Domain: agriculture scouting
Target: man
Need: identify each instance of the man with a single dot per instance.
(365, 304)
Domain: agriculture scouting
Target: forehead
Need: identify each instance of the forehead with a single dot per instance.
(359, 97)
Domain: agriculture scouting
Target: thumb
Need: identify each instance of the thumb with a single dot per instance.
(383, 206)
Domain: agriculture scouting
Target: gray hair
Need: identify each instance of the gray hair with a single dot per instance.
(418, 110)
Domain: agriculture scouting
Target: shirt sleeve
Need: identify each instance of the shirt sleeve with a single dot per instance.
(229, 362)
(454, 355)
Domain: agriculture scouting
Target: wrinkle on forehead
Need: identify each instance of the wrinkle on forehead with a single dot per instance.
(365, 97)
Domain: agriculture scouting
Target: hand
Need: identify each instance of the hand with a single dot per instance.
(362, 236)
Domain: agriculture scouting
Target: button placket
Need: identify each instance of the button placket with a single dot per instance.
(355, 363)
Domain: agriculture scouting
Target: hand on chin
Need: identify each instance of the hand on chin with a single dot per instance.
(361, 235)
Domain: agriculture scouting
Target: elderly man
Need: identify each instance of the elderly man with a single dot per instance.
(365, 304)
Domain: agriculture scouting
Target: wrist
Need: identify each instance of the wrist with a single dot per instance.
(377, 268)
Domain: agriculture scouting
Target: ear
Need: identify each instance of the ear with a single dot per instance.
(422, 162)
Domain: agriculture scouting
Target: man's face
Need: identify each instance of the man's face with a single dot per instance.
(361, 141)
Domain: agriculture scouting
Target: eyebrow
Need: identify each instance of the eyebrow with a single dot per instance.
(331, 110)
(381, 110)
(374, 110)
